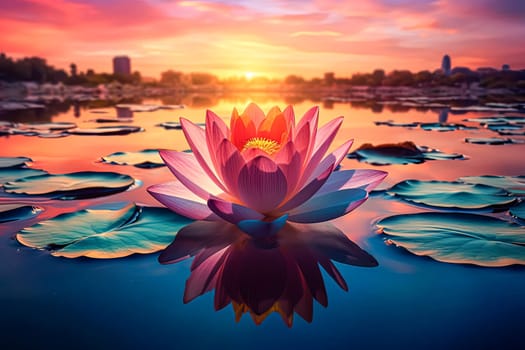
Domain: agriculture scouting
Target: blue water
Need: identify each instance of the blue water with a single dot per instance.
(407, 302)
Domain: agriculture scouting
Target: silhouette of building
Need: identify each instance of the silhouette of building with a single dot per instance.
(121, 65)
(446, 65)
(505, 67)
(73, 69)
(329, 78)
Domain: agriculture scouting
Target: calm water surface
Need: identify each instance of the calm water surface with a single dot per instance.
(405, 302)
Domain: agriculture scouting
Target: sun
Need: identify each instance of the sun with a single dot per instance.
(249, 75)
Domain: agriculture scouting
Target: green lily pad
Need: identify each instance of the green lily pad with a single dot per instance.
(518, 211)
(512, 184)
(148, 158)
(87, 184)
(12, 174)
(490, 140)
(452, 195)
(442, 127)
(105, 233)
(13, 162)
(457, 238)
(400, 153)
(13, 212)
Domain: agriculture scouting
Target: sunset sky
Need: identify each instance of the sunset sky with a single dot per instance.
(272, 38)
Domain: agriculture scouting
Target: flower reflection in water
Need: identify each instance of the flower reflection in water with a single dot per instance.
(260, 276)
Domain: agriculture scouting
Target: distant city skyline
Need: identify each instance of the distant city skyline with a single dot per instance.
(241, 38)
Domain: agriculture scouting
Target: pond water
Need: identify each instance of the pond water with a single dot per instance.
(407, 301)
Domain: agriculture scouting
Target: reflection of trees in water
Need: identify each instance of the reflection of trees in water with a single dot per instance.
(278, 274)
(55, 107)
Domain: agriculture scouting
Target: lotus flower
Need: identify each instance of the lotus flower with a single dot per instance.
(263, 171)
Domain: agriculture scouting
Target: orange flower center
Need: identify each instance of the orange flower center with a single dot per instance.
(262, 143)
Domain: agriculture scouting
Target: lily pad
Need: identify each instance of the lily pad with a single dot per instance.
(170, 125)
(397, 124)
(13, 162)
(503, 127)
(12, 174)
(512, 184)
(148, 158)
(400, 153)
(518, 211)
(176, 125)
(107, 130)
(498, 119)
(87, 184)
(113, 120)
(105, 233)
(490, 140)
(13, 212)
(457, 237)
(443, 127)
(452, 195)
(519, 132)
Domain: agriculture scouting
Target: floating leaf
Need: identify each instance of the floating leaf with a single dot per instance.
(498, 119)
(113, 120)
(400, 153)
(518, 211)
(443, 127)
(148, 158)
(490, 140)
(170, 125)
(13, 212)
(397, 124)
(512, 184)
(12, 174)
(105, 233)
(503, 127)
(457, 195)
(87, 184)
(107, 130)
(519, 132)
(176, 125)
(12, 162)
(458, 237)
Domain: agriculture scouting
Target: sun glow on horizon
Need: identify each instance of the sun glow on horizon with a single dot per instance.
(249, 75)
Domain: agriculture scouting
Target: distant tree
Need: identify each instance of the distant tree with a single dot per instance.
(378, 76)
(171, 77)
(202, 78)
(294, 80)
(399, 78)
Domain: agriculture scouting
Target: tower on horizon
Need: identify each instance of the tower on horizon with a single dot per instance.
(121, 65)
(446, 65)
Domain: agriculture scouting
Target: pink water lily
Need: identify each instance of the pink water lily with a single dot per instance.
(263, 171)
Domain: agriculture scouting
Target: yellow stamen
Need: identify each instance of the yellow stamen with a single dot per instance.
(262, 143)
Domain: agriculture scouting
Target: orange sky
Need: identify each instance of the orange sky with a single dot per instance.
(273, 38)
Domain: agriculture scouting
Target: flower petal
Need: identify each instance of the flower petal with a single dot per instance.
(196, 138)
(232, 212)
(187, 170)
(328, 206)
(335, 158)
(262, 184)
(260, 229)
(366, 179)
(229, 164)
(181, 200)
(324, 138)
(216, 131)
(254, 113)
(307, 191)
